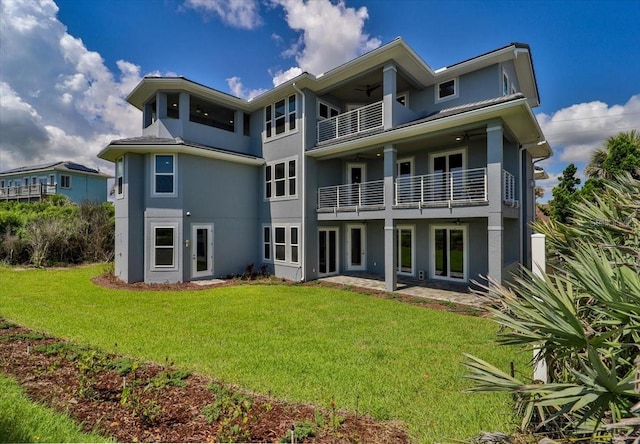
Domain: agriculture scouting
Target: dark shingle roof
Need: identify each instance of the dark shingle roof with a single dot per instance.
(73, 166)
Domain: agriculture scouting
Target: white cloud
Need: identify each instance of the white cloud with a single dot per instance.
(579, 129)
(319, 50)
(282, 76)
(242, 14)
(239, 90)
(68, 108)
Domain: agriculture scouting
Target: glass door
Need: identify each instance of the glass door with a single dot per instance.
(405, 239)
(327, 251)
(201, 250)
(449, 253)
(356, 247)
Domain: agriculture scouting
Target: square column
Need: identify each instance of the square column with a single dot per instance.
(390, 247)
(389, 82)
(495, 226)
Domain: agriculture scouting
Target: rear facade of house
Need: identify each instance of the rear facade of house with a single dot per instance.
(382, 165)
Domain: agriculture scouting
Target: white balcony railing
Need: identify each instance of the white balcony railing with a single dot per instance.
(509, 188)
(26, 191)
(466, 186)
(366, 195)
(359, 121)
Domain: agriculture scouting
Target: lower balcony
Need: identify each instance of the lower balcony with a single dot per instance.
(27, 192)
(458, 188)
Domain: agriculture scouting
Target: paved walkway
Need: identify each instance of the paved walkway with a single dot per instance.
(428, 289)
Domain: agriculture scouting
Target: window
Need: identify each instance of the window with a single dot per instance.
(2, 183)
(403, 99)
(164, 174)
(173, 106)
(293, 244)
(280, 243)
(280, 117)
(26, 181)
(119, 177)
(447, 90)
(52, 179)
(65, 181)
(34, 180)
(150, 114)
(211, 114)
(326, 111)
(247, 124)
(164, 247)
(266, 242)
(280, 179)
(505, 84)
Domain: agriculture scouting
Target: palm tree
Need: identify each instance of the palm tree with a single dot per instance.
(621, 153)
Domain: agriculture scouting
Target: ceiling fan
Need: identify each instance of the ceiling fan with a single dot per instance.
(368, 89)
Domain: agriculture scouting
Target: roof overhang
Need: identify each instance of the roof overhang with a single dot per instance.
(118, 148)
(516, 115)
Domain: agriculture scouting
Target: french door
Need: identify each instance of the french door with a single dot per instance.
(201, 250)
(405, 241)
(356, 247)
(447, 169)
(449, 252)
(328, 263)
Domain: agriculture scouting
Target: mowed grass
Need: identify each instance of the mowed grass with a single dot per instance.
(24, 421)
(313, 344)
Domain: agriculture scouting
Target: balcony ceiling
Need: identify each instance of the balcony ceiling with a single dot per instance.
(354, 91)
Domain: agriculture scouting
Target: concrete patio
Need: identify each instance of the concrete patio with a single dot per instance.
(428, 289)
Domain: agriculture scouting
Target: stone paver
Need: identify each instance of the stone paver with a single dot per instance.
(428, 289)
(208, 282)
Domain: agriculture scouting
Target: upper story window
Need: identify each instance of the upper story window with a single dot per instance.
(505, 84)
(326, 111)
(173, 106)
(120, 177)
(26, 181)
(1, 183)
(65, 181)
(164, 175)
(280, 117)
(52, 179)
(211, 114)
(280, 179)
(403, 99)
(447, 90)
(150, 112)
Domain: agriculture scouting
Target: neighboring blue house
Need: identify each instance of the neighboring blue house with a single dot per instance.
(77, 182)
(382, 165)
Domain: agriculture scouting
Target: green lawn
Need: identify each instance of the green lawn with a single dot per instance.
(392, 360)
(24, 421)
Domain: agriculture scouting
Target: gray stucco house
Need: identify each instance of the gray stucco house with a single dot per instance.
(381, 165)
(35, 182)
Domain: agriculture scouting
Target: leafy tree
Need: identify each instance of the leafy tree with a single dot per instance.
(585, 317)
(563, 194)
(538, 192)
(620, 154)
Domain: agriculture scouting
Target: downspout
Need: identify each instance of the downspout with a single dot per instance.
(303, 169)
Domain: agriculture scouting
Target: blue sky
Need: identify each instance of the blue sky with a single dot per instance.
(68, 65)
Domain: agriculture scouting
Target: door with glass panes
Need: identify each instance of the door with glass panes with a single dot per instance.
(449, 255)
(328, 251)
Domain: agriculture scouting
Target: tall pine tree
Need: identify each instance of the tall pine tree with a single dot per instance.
(563, 194)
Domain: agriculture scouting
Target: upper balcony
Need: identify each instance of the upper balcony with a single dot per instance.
(27, 192)
(367, 119)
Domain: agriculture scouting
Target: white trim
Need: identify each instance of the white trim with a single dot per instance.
(174, 174)
(363, 247)
(329, 106)
(465, 248)
(264, 242)
(362, 166)
(287, 130)
(287, 243)
(412, 229)
(62, 186)
(406, 98)
(456, 90)
(411, 160)
(120, 187)
(286, 179)
(153, 226)
(504, 83)
(337, 250)
(194, 250)
(461, 150)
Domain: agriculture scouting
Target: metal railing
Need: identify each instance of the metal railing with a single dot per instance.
(366, 195)
(466, 186)
(27, 191)
(509, 188)
(361, 120)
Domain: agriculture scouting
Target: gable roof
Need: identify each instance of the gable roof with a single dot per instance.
(66, 165)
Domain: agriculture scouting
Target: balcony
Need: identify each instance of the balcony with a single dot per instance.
(363, 120)
(353, 197)
(441, 189)
(509, 189)
(27, 192)
(459, 188)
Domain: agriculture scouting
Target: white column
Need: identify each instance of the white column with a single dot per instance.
(538, 265)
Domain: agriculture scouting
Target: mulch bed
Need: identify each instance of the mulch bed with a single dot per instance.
(134, 401)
